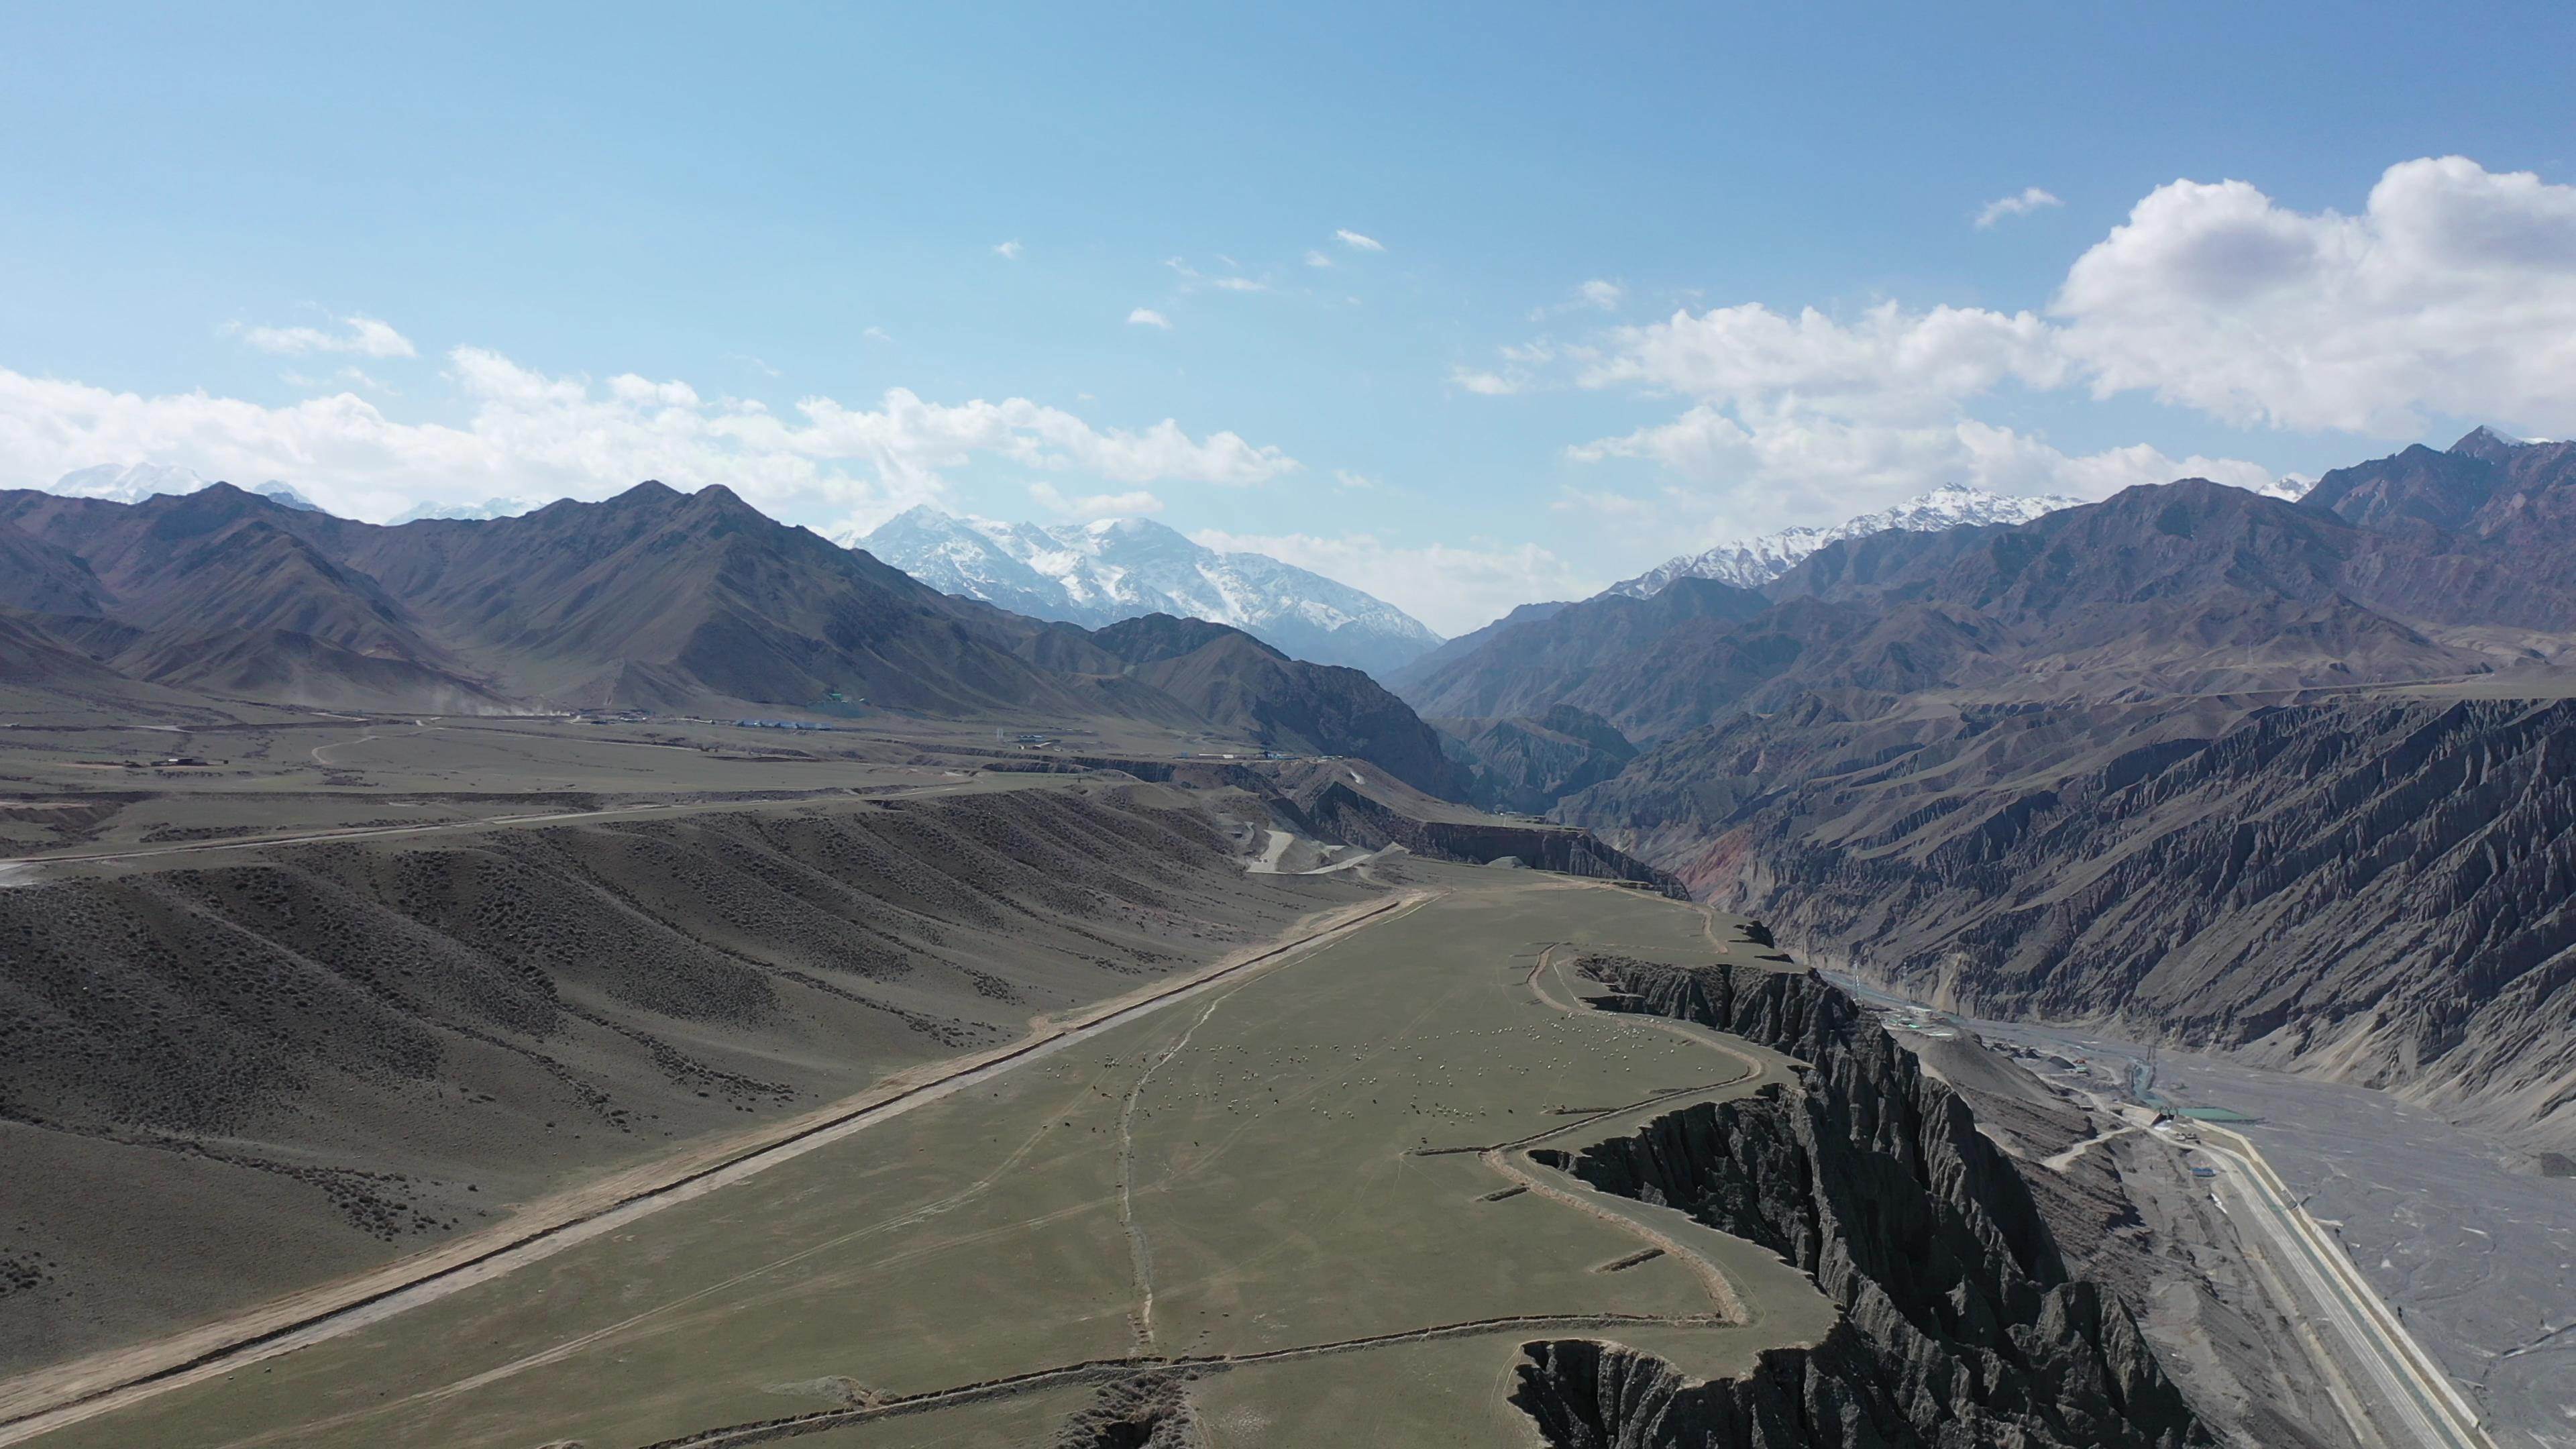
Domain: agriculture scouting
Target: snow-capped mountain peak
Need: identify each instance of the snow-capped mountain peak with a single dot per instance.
(1110, 569)
(127, 482)
(1750, 563)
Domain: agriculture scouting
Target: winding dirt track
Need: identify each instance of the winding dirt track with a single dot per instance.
(54, 1398)
(1503, 1159)
(1729, 1306)
(1110, 1369)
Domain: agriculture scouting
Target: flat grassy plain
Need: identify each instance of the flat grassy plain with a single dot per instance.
(1237, 1185)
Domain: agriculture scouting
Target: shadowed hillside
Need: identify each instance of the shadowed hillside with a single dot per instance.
(290, 1064)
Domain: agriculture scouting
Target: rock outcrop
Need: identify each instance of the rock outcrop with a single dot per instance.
(1961, 1326)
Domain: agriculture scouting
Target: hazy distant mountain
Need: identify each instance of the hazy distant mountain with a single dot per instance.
(286, 497)
(127, 482)
(134, 482)
(1123, 568)
(1752, 562)
(488, 508)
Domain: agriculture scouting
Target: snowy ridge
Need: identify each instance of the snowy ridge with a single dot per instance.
(1750, 563)
(1118, 568)
(128, 483)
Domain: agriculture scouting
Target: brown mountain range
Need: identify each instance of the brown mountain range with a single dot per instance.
(2197, 764)
(653, 599)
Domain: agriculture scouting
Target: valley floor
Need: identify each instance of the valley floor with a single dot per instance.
(1291, 1208)
(2457, 1233)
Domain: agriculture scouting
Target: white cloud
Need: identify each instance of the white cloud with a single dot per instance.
(1489, 384)
(1357, 242)
(2454, 292)
(1148, 317)
(1317, 259)
(1009, 251)
(2031, 199)
(1886, 362)
(876, 334)
(1598, 294)
(361, 336)
(1809, 419)
(1097, 505)
(1192, 279)
(1349, 479)
(1750, 471)
(1452, 589)
(538, 436)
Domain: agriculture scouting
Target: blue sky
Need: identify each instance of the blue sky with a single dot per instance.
(460, 252)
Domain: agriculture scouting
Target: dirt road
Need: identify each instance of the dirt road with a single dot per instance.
(53, 1398)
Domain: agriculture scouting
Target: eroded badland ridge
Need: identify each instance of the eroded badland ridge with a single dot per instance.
(1960, 1322)
(2372, 888)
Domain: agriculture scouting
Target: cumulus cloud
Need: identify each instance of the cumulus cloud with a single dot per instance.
(1317, 259)
(2454, 292)
(1357, 242)
(1752, 471)
(2031, 199)
(529, 434)
(1450, 588)
(1886, 361)
(1009, 251)
(360, 336)
(1809, 418)
(1148, 317)
(1097, 505)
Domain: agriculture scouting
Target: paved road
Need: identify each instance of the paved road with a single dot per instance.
(2414, 1397)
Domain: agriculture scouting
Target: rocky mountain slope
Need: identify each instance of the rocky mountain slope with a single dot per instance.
(1530, 764)
(2373, 888)
(1110, 569)
(1960, 1322)
(2282, 778)
(653, 599)
(1752, 562)
(2184, 588)
(1587, 655)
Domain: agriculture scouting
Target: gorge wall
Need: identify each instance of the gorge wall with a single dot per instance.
(2373, 888)
(1961, 1326)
